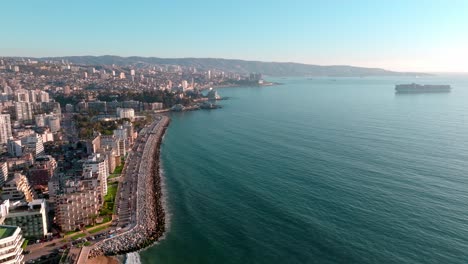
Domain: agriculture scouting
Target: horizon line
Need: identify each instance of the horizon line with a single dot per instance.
(245, 60)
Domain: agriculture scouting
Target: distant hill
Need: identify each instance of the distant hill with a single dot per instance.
(239, 66)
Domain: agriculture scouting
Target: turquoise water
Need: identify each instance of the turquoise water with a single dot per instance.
(319, 171)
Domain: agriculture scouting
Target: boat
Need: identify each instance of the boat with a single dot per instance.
(418, 88)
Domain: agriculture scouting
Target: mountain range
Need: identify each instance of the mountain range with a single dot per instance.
(238, 66)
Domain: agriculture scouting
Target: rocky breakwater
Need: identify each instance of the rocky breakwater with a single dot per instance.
(149, 225)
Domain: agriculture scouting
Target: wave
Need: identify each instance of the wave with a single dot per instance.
(164, 201)
(133, 258)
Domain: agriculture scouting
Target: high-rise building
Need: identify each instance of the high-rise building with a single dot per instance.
(3, 173)
(11, 240)
(77, 207)
(184, 85)
(122, 135)
(15, 147)
(24, 111)
(22, 96)
(126, 113)
(40, 120)
(34, 144)
(31, 217)
(43, 97)
(5, 128)
(97, 164)
(18, 188)
(43, 170)
(53, 122)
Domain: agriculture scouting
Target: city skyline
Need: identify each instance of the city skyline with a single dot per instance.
(422, 36)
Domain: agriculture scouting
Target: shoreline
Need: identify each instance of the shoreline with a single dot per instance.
(241, 85)
(151, 215)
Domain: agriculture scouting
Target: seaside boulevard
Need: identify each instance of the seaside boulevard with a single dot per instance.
(141, 191)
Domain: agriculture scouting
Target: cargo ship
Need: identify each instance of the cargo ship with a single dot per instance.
(418, 88)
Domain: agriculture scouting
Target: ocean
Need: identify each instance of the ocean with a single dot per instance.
(319, 170)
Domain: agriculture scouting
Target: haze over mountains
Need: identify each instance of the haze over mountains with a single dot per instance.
(239, 66)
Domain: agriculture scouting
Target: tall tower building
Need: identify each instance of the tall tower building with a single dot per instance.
(5, 128)
(184, 85)
(22, 96)
(24, 111)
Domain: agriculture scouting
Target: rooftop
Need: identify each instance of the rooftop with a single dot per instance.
(7, 231)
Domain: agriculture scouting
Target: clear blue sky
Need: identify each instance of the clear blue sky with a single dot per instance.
(427, 35)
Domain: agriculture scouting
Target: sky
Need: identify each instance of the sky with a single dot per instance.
(402, 35)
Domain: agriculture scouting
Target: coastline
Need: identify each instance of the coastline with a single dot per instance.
(150, 225)
(242, 85)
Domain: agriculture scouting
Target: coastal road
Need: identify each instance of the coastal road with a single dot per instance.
(128, 191)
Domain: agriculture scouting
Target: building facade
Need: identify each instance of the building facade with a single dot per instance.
(11, 240)
(5, 128)
(30, 217)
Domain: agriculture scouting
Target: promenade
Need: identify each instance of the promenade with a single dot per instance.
(140, 215)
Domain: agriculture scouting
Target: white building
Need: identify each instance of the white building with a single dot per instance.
(22, 95)
(121, 134)
(11, 240)
(126, 113)
(97, 164)
(24, 111)
(18, 188)
(36, 96)
(34, 143)
(5, 128)
(184, 85)
(40, 120)
(30, 217)
(47, 136)
(53, 122)
(76, 202)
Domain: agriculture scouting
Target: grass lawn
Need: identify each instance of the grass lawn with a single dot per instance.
(25, 244)
(98, 229)
(113, 175)
(111, 191)
(6, 231)
(119, 168)
(108, 207)
(71, 233)
(75, 237)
